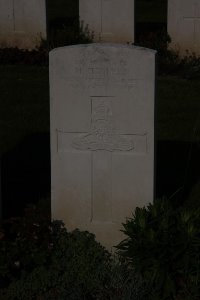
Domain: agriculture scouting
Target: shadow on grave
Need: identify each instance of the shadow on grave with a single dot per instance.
(25, 172)
(178, 171)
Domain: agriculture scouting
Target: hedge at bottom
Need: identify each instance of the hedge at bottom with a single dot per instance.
(41, 260)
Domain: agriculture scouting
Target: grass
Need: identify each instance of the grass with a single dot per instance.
(24, 105)
(178, 109)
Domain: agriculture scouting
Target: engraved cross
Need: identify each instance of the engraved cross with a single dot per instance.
(102, 141)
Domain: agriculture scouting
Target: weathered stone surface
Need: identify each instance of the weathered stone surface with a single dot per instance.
(184, 26)
(102, 135)
(110, 20)
(22, 23)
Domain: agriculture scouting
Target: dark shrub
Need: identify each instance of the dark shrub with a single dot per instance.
(41, 260)
(76, 33)
(163, 247)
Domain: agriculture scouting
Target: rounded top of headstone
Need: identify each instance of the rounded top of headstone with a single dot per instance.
(104, 46)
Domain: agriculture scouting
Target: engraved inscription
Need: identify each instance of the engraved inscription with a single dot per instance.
(97, 73)
(98, 70)
(103, 135)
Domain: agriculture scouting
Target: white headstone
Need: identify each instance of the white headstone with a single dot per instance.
(184, 25)
(110, 20)
(22, 23)
(102, 135)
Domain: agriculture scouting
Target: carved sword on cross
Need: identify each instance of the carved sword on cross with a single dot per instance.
(102, 141)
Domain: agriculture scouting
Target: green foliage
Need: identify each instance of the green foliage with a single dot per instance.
(160, 259)
(163, 247)
(191, 66)
(158, 40)
(125, 284)
(41, 260)
(13, 56)
(64, 35)
(76, 33)
(170, 61)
